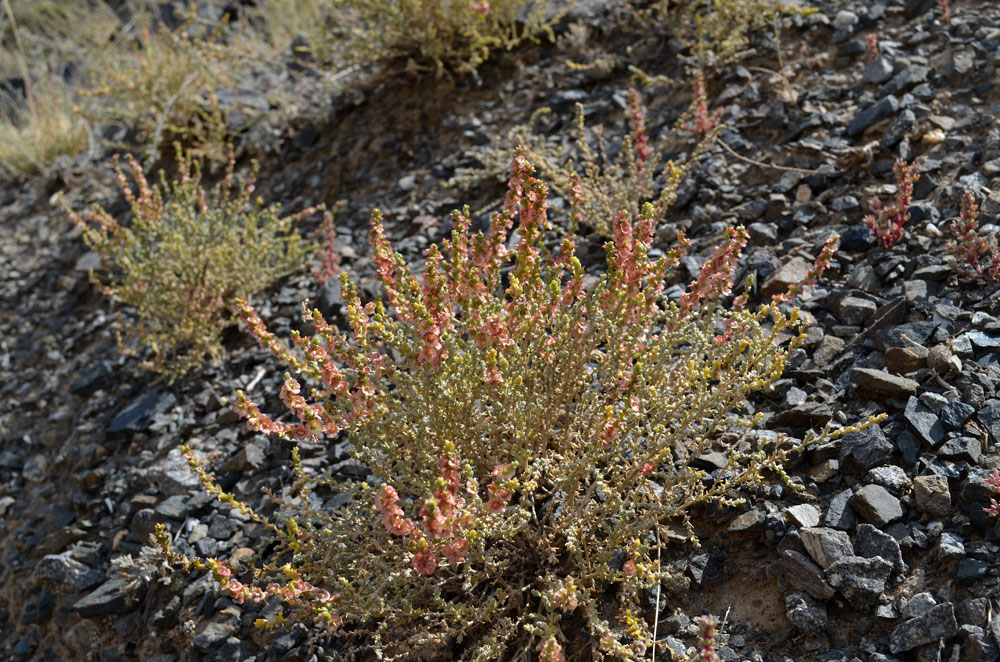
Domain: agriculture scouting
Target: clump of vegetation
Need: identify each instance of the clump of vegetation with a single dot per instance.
(720, 32)
(33, 134)
(187, 255)
(887, 222)
(443, 34)
(531, 439)
(596, 186)
(162, 84)
(42, 126)
(975, 258)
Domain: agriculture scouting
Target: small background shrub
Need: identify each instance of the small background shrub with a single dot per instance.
(187, 255)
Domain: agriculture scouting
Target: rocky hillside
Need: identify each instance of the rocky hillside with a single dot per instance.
(885, 550)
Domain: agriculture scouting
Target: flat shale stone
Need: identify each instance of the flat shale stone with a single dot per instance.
(875, 504)
(805, 575)
(877, 112)
(108, 598)
(826, 546)
(924, 421)
(880, 385)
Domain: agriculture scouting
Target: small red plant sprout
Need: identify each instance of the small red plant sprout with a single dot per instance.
(977, 259)
(994, 482)
(329, 258)
(821, 264)
(871, 41)
(887, 222)
(944, 6)
(704, 121)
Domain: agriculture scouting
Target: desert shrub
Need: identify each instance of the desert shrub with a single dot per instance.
(52, 33)
(187, 255)
(162, 86)
(720, 32)
(530, 436)
(596, 186)
(444, 34)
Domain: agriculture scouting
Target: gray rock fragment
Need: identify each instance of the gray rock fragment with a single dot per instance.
(937, 625)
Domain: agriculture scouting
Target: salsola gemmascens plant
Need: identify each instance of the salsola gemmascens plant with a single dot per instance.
(975, 258)
(598, 186)
(185, 257)
(887, 221)
(531, 436)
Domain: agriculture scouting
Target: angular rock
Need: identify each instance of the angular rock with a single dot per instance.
(962, 448)
(108, 598)
(890, 477)
(855, 310)
(886, 107)
(936, 625)
(989, 416)
(878, 70)
(803, 515)
(750, 521)
(880, 385)
(790, 273)
(212, 635)
(970, 571)
(918, 605)
(904, 360)
(64, 569)
(839, 514)
(871, 543)
(826, 546)
(805, 612)
(932, 495)
(805, 575)
(861, 580)
(876, 505)
(950, 546)
(868, 448)
(805, 415)
(139, 414)
(924, 421)
(955, 414)
(905, 79)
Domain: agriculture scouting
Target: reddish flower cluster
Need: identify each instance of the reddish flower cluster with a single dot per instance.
(993, 480)
(297, 593)
(329, 258)
(887, 222)
(706, 639)
(704, 121)
(715, 279)
(552, 651)
(445, 516)
(976, 258)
